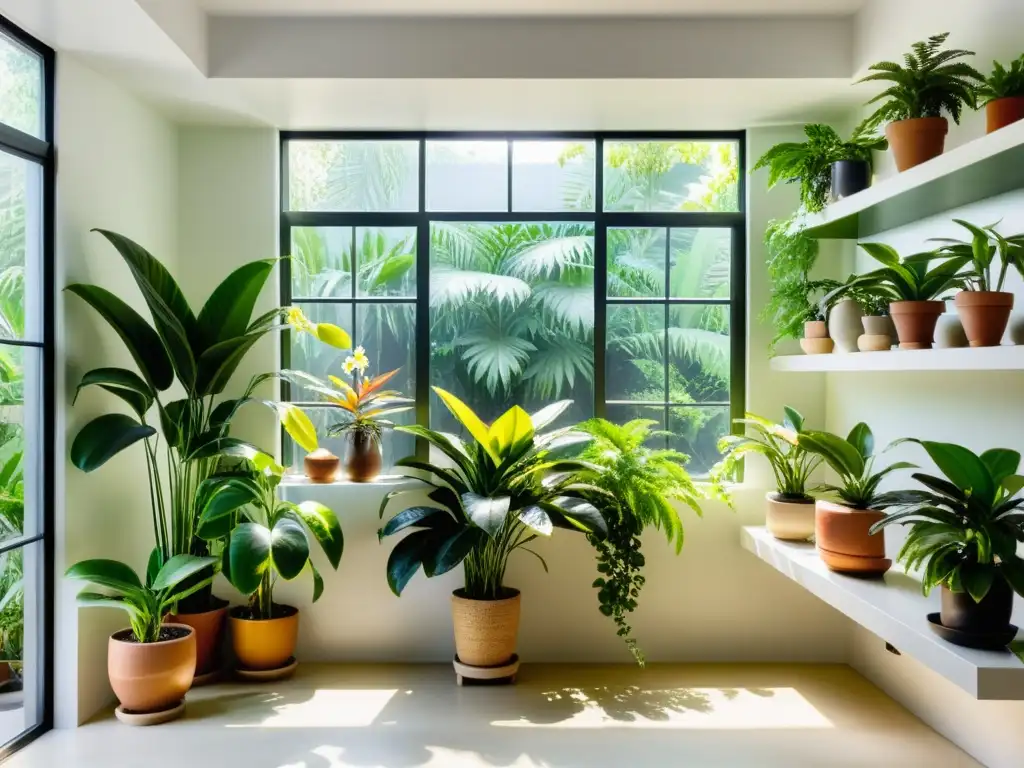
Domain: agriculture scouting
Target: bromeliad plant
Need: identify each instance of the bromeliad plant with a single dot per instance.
(981, 252)
(965, 526)
(503, 489)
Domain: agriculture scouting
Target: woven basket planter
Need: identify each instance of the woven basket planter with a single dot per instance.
(485, 630)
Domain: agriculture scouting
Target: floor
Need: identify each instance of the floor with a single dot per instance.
(556, 716)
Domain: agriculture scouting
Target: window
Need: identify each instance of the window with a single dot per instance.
(26, 387)
(521, 269)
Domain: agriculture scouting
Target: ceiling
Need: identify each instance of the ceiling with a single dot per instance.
(533, 7)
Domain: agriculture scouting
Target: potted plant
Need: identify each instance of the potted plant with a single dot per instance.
(1002, 95)
(984, 307)
(644, 489)
(842, 530)
(503, 489)
(932, 82)
(964, 529)
(852, 164)
(790, 514)
(151, 663)
(194, 355)
(878, 330)
(816, 340)
(266, 539)
(913, 290)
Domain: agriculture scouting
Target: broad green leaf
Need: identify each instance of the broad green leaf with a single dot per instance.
(297, 424)
(125, 384)
(217, 364)
(465, 416)
(547, 415)
(98, 600)
(1012, 570)
(977, 580)
(452, 550)
(420, 517)
(324, 525)
(289, 548)
(408, 555)
(249, 549)
(1013, 484)
(109, 574)
(882, 252)
(220, 498)
(512, 428)
(179, 568)
(1001, 463)
(794, 419)
(536, 518)
(318, 582)
(333, 336)
(153, 566)
(843, 457)
(225, 446)
(104, 437)
(964, 469)
(227, 312)
(486, 512)
(862, 440)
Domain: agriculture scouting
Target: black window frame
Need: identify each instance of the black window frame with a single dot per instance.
(41, 151)
(603, 220)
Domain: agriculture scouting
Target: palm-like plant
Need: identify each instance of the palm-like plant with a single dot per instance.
(930, 82)
(502, 491)
(1003, 83)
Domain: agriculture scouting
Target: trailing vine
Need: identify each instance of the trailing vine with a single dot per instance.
(619, 561)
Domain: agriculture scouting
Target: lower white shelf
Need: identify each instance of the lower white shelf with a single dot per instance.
(894, 609)
(1005, 358)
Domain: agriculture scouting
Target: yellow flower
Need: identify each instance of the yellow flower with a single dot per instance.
(360, 360)
(298, 321)
(349, 365)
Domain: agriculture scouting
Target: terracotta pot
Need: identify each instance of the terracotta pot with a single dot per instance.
(844, 325)
(878, 333)
(485, 630)
(844, 542)
(789, 520)
(815, 329)
(151, 677)
(916, 141)
(817, 346)
(915, 322)
(208, 628)
(321, 466)
(984, 315)
(1002, 112)
(362, 460)
(261, 644)
(991, 615)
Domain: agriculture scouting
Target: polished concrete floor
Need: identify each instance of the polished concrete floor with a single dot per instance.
(754, 716)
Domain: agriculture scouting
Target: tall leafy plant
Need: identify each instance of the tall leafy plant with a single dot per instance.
(985, 249)
(908, 279)
(1003, 83)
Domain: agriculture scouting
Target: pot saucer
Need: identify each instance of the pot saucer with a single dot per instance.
(990, 641)
(128, 717)
(852, 565)
(213, 676)
(267, 675)
(504, 672)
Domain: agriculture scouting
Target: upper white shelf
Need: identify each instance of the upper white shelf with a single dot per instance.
(894, 609)
(983, 168)
(1005, 358)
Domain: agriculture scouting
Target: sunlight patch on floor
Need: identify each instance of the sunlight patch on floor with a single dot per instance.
(328, 708)
(440, 757)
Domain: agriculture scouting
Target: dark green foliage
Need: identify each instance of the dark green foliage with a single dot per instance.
(907, 279)
(981, 252)
(1002, 83)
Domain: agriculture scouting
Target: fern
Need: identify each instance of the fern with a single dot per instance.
(1003, 83)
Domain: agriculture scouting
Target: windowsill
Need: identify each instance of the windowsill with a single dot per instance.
(384, 482)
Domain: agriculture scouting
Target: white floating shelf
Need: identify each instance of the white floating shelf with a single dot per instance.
(983, 168)
(1005, 358)
(894, 609)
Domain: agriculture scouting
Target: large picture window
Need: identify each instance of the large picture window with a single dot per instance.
(521, 269)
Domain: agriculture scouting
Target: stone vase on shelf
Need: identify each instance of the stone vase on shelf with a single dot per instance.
(844, 325)
(878, 334)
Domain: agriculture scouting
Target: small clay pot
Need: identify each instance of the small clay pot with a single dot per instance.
(844, 541)
(321, 466)
(849, 177)
(789, 520)
(1003, 112)
(915, 322)
(844, 325)
(151, 677)
(208, 628)
(815, 329)
(362, 459)
(984, 315)
(990, 616)
(486, 630)
(916, 141)
(261, 644)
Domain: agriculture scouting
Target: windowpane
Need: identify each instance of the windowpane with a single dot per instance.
(620, 414)
(512, 316)
(699, 263)
(386, 261)
(649, 176)
(467, 176)
(21, 629)
(321, 262)
(553, 176)
(635, 360)
(21, 218)
(636, 262)
(696, 432)
(21, 88)
(387, 333)
(313, 356)
(353, 176)
(21, 450)
(698, 337)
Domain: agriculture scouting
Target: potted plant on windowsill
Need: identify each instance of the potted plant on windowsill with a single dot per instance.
(932, 82)
(842, 530)
(502, 490)
(150, 664)
(964, 529)
(984, 307)
(1002, 95)
(790, 514)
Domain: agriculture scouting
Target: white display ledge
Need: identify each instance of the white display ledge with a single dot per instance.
(1005, 358)
(894, 609)
(983, 168)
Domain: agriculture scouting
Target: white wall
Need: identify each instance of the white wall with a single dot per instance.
(116, 169)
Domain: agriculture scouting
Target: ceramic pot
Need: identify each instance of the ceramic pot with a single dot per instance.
(262, 644)
(815, 329)
(916, 141)
(817, 346)
(321, 466)
(151, 677)
(485, 630)
(915, 322)
(789, 520)
(878, 333)
(1002, 112)
(991, 615)
(949, 333)
(984, 315)
(849, 177)
(844, 325)
(843, 540)
(208, 628)
(362, 459)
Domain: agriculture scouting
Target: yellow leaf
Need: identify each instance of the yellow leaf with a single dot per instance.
(297, 424)
(331, 334)
(341, 384)
(510, 428)
(470, 421)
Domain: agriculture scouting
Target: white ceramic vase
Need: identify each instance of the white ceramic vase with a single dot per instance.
(949, 332)
(844, 326)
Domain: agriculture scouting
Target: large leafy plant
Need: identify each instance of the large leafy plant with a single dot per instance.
(791, 464)
(965, 526)
(982, 251)
(1002, 83)
(908, 279)
(502, 490)
(930, 81)
(266, 538)
(146, 604)
(853, 459)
